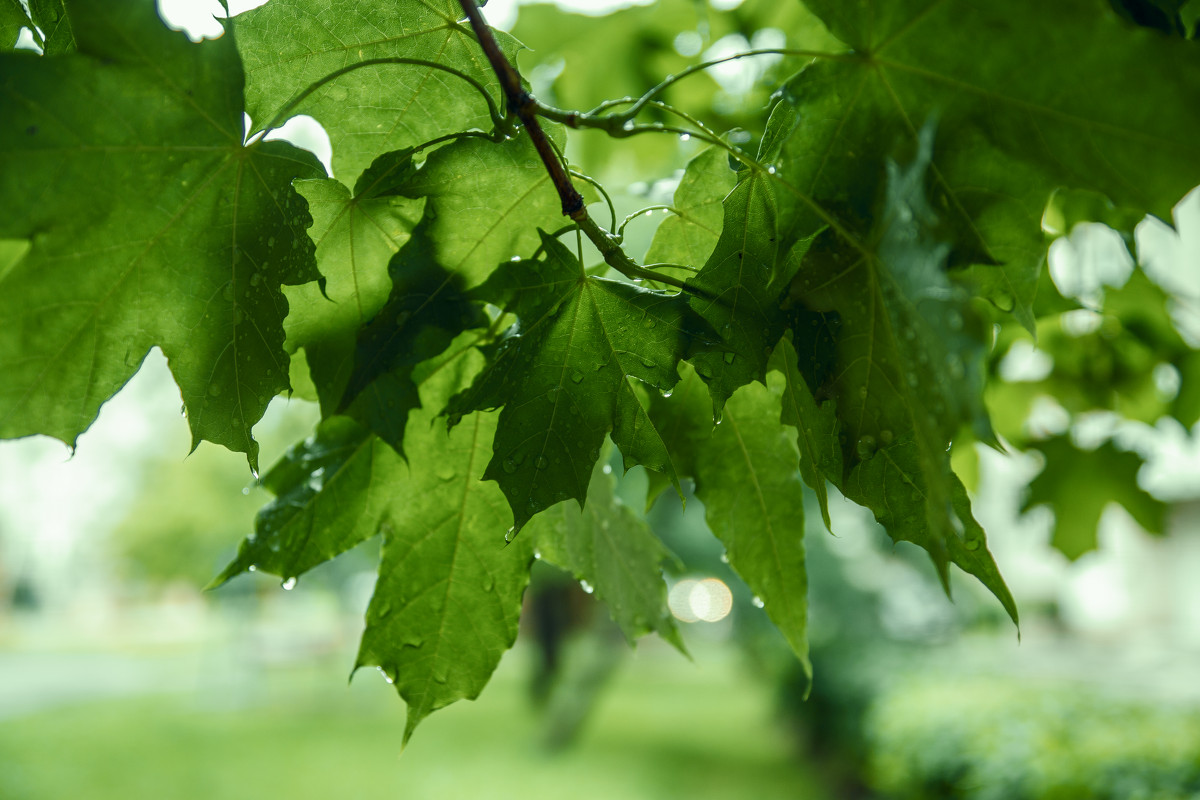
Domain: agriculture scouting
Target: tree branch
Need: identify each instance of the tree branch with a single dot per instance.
(524, 106)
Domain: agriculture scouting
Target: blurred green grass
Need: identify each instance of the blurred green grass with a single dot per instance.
(668, 729)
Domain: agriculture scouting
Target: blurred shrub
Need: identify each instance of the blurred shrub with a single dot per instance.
(997, 739)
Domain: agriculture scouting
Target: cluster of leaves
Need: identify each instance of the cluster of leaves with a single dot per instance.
(825, 313)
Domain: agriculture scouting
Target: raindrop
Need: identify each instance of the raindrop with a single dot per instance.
(724, 558)
(886, 437)
(509, 465)
(757, 602)
(289, 584)
(607, 469)
(440, 677)
(973, 544)
(537, 555)
(667, 394)
(509, 534)
(587, 587)
(252, 568)
(729, 357)
(866, 446)
(214, 389)
(683, 137)
(245, 490)
(488, 582)
(386, 677)
(648, 322)
(541, 462)
(515, 258)
(956, 321)
(576, 377)
(771, 170)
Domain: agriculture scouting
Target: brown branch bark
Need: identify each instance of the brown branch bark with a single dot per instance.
(522, 103)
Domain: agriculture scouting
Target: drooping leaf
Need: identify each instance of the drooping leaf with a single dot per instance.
(909, 361)
(1079, 484)
(1077, 99)
(152, 224)
(448, 598)
(323, 503)
(569, 372)
(612, 549)
(287, 45)
(753, 501)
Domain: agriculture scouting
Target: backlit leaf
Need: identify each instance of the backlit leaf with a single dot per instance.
(151, 223)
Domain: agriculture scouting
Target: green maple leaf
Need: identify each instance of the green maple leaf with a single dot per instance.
(740, 288)
(690, 235)
(481, 198)
(151, 223)
(448, 598)
(745, 473)
(613, 550)
(753, 501)
(355, 239)
(1079, 484)
(907, 377)
(287, 45)
(569, 372)
(1077, 99)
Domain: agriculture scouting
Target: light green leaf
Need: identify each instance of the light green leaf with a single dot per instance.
(754, 503)
(287, 45)
(12, 19)
(1079, 484)
(151, 225)
(565, 376)
(689, 236)
(355, 239)
(448, 600)
(611, 549)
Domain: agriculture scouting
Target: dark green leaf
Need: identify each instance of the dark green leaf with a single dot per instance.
(742, 283)
(816, 426)
(1077, 99)
(152, 225)
(568, 372)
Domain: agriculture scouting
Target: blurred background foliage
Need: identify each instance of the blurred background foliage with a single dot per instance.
(120, 678)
